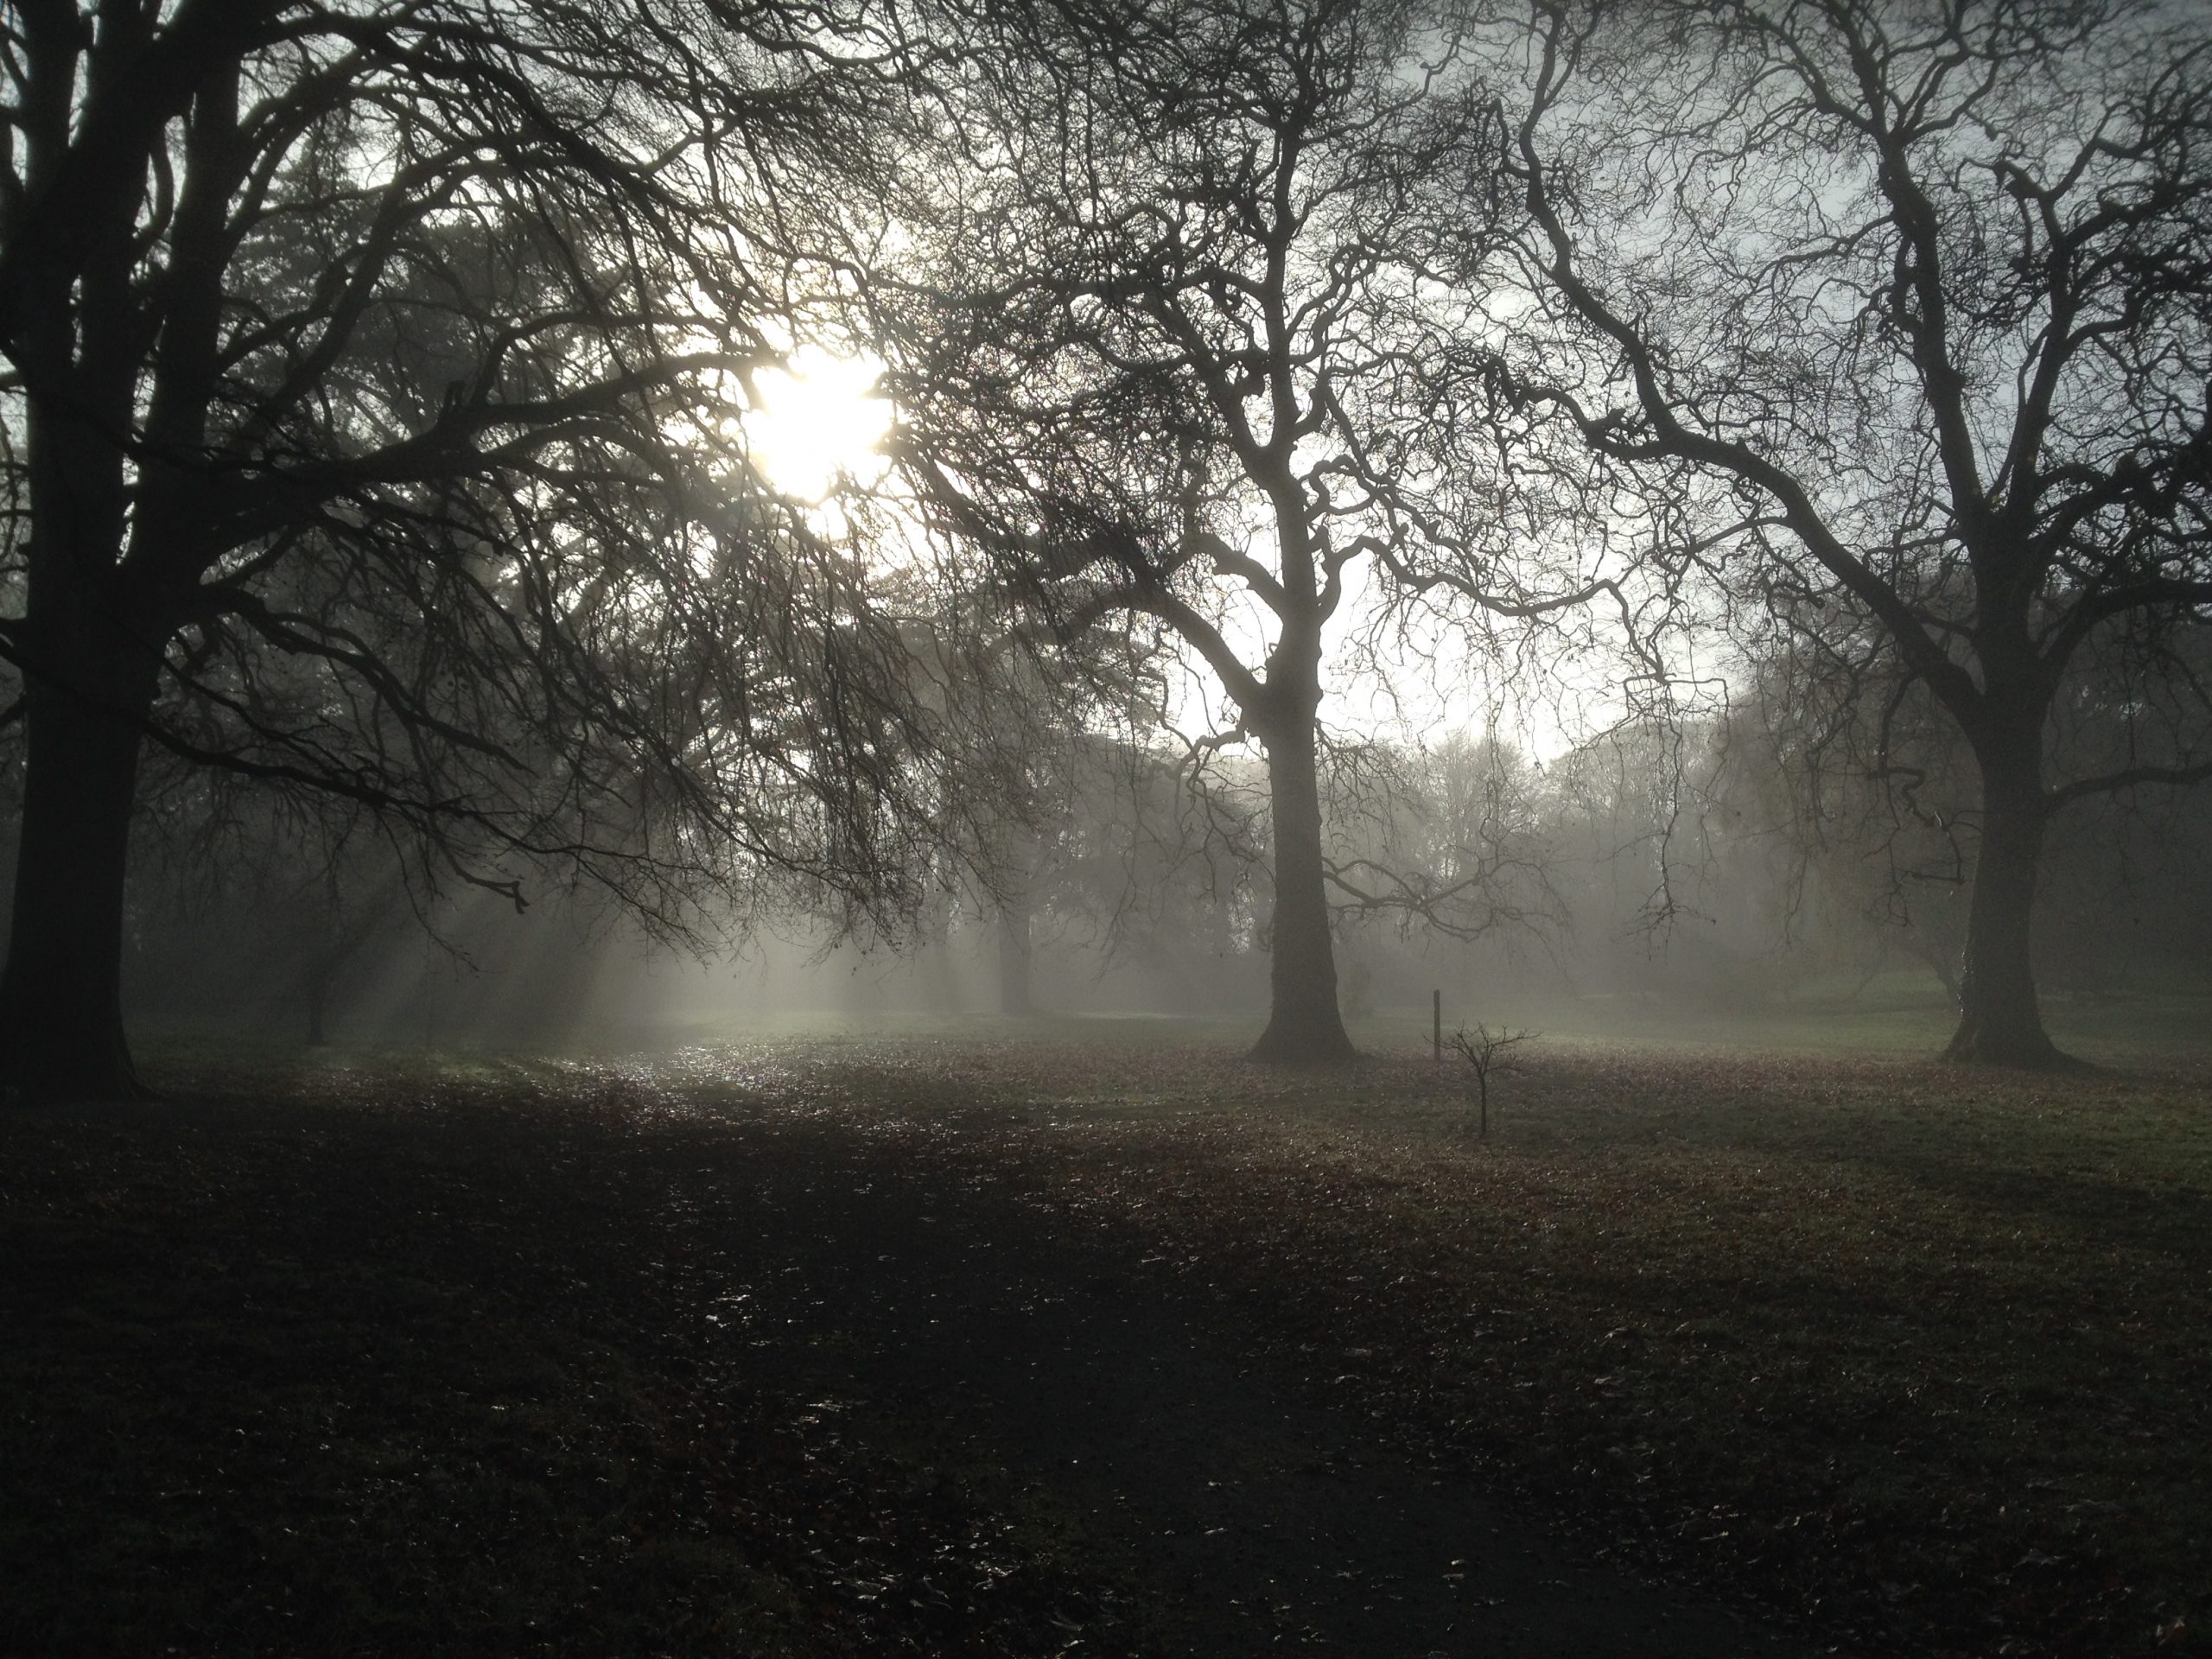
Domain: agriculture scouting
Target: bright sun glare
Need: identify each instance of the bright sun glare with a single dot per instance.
(818, 423)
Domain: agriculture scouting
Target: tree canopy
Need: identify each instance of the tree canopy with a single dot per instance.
(380, 374)
(373, 371)
(1904, 309)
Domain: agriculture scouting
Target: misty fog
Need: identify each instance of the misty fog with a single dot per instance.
(1654, 876)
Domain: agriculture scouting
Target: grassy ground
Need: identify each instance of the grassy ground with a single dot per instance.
(346, 1355)
(1903, 1015)
(1900, 1014)
(415, 1359)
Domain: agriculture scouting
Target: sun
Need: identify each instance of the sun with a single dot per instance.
(818, 424)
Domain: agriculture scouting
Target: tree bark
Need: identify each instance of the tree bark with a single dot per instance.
(91, 654)
(90, 666)
(61, 996)
(2000, 1020)
(1305, 1026)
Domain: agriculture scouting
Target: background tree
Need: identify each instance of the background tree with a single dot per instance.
(1446, 840)
(1114, 853)
(1915, 303)
(1860, 788)
(369, 377)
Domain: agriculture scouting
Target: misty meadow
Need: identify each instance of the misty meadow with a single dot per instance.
(1035, 827)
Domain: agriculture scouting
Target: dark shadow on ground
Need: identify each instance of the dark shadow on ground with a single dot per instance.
(1135, 1405)
(324, 1375)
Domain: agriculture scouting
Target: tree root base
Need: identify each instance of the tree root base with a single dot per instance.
(2020, 1053)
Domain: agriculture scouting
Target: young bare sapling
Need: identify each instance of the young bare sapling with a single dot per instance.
(1486, 1051)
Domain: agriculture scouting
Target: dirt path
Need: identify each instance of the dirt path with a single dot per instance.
(1246, 1504)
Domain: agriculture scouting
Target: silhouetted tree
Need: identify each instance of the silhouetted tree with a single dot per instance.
(1865, 791)
(1164, 353)
(370, 368)
(1907, 309)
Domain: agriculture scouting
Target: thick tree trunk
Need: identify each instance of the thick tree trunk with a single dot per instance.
(1305, 1026)
(61, 994)
(2000, 1022)
(90, 672)
(1013, 959)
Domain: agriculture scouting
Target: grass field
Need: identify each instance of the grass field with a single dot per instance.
(355, 1353)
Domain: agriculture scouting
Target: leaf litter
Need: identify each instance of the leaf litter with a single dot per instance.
(1911, 1356)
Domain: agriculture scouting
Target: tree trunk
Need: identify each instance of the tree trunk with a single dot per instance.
(2000, 1022)
(1013, 959)
(90, 657)
(1305, 1026)
(61, 996)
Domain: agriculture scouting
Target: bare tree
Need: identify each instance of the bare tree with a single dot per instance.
(1447, 839)
(369, 375)
(1911, 307)
(1487, 1052)
(1864, 791)
(1166, 357)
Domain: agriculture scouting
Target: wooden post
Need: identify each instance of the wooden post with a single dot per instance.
(1436, 1030)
